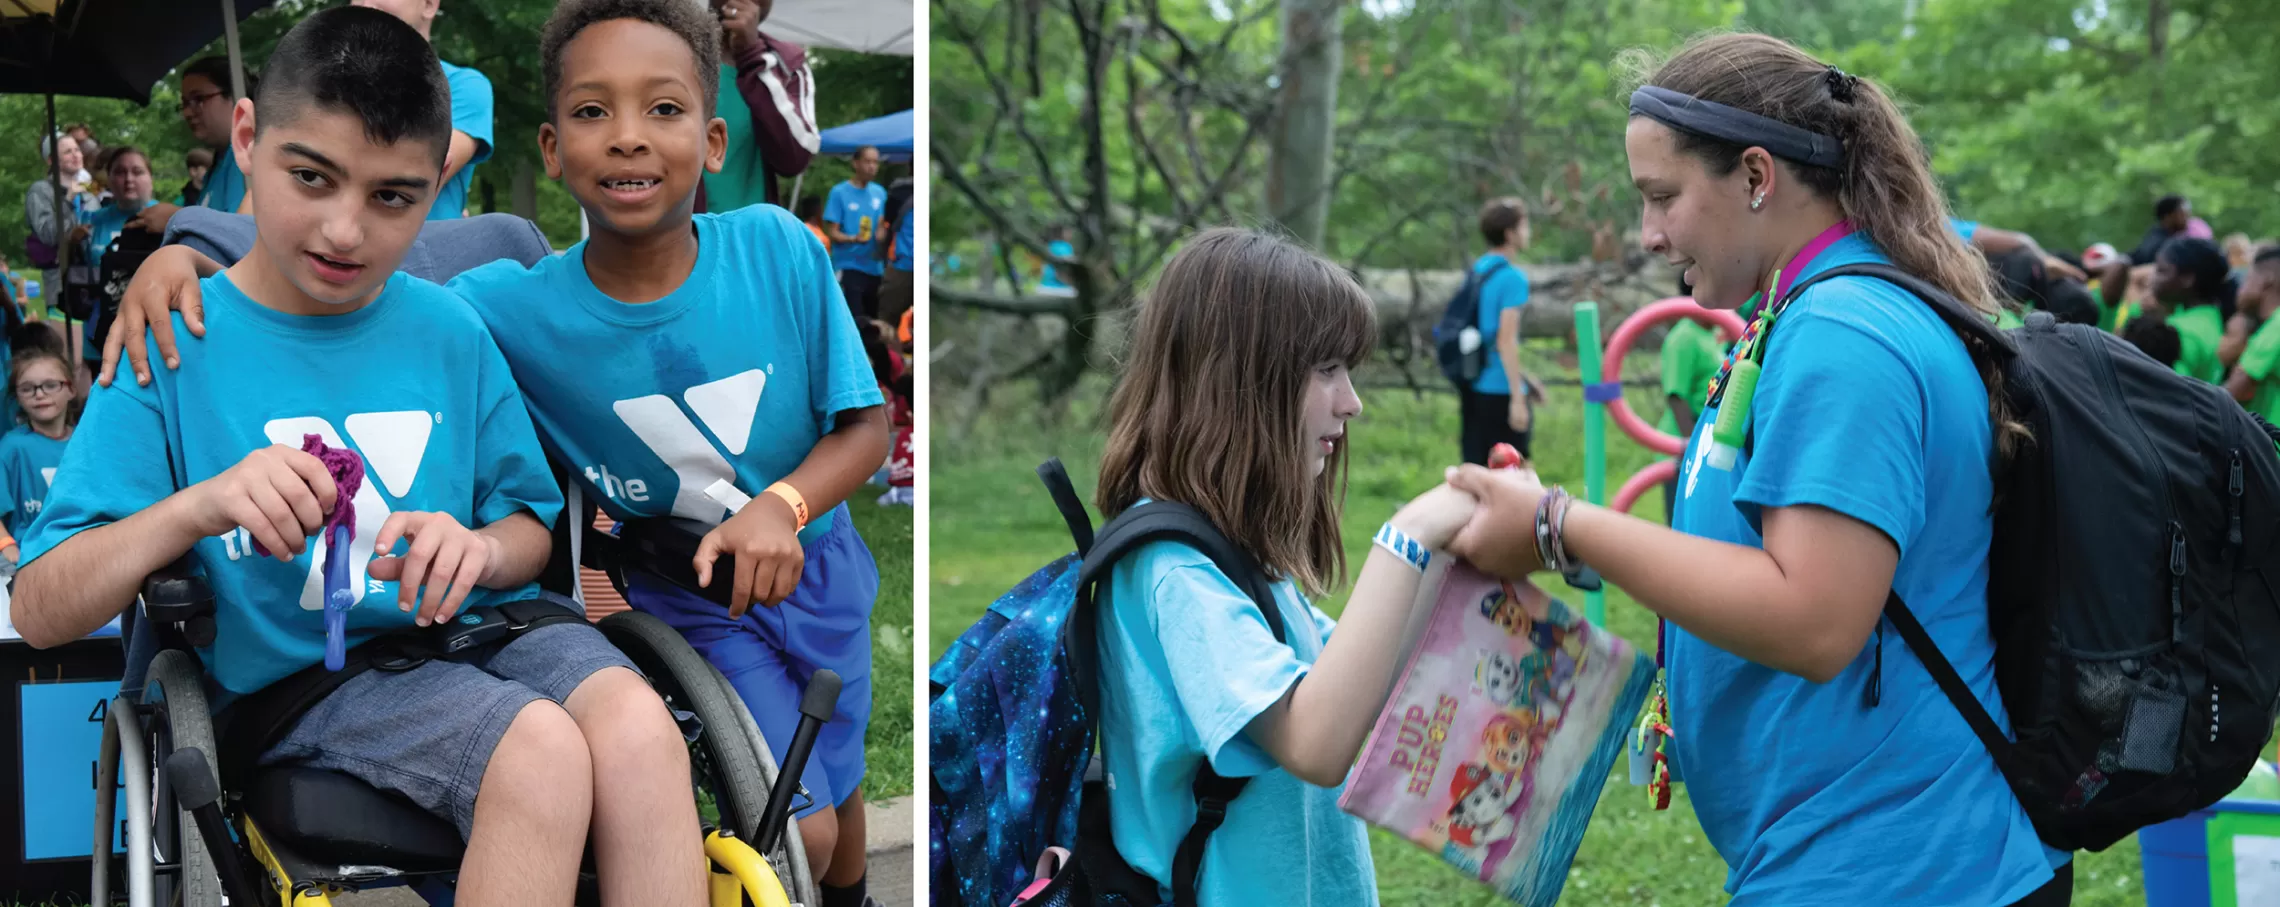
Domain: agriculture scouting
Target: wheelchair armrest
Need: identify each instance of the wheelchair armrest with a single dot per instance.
(176, 594)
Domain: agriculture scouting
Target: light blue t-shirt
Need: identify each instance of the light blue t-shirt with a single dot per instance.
(856, 211)
(28, 461)
(410, 381)
(735, 375)
(225, 186)
(1867, 401)
(1964, 228)
(1505, 289)
(471, 114)
(1186, 662)
(1048, 278)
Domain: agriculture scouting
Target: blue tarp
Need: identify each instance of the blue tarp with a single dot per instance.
(890, 133)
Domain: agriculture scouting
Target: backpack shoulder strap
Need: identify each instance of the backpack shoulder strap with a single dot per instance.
(1154, 521)
(1056, 479)
(1969, 324)
(1960, 318)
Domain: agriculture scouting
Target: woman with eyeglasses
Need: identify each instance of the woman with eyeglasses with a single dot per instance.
(41, 382)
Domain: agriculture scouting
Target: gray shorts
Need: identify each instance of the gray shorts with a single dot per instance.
(427, 733)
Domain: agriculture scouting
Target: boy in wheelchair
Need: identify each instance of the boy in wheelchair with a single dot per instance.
(526, 743)
(699, 376)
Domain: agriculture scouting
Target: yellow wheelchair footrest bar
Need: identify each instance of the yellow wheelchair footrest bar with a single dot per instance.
(280, 882)
(747, 872)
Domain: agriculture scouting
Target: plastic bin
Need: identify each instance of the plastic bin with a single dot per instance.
(2175, 854)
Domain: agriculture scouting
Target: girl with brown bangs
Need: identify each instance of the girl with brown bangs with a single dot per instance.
(40, 380)
(1235, 401)
(1824, 769)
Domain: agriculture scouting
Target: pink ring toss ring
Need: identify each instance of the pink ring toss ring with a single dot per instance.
(1729, 327)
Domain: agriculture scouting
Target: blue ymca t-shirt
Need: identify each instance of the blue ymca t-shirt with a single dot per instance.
(1187, 662)
(735, 375)
(1505, 289)
(28, 461)
(1868, 406)
(1964, 228)
(471, 114)
(225, 185)
(857, 212)
(410, 381)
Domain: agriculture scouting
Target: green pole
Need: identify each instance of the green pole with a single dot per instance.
(1594, 433)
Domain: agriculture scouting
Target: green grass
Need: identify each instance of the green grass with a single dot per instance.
(993, 524)
(888, 747)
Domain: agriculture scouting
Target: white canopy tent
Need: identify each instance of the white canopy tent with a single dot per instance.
(865, 26)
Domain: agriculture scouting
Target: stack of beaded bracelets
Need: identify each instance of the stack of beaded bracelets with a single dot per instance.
(1551, 531)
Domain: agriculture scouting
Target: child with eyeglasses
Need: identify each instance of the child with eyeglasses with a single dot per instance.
(48, 409)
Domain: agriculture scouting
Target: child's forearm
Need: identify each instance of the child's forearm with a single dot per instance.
(843, 460)
(519, 550)
(1317, 730)
(94, 575)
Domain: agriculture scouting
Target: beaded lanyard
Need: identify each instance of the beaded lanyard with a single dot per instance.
(1739, 374)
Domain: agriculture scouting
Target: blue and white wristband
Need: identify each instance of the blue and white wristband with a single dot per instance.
(1400, 543)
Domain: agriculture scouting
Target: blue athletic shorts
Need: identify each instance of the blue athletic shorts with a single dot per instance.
(769, 654)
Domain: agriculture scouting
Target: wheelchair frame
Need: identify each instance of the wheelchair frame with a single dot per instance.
(166, 857)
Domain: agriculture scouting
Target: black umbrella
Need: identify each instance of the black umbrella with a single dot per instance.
(108, 49)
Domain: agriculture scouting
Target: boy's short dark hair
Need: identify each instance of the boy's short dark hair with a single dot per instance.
(217, 71)
(2167, 205)
(366, 63)
(1501, 216)
(680, 17)
(199, 157)
(2269, 256)
(2156, 337)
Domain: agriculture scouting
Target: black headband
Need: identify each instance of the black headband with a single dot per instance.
(1738, 126)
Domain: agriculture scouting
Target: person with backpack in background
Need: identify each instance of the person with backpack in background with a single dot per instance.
(129, 174)
(40, 383)
(2191, 289)
(1191, 675)
(1498, 407)
(2253, 381)
(1822, 771)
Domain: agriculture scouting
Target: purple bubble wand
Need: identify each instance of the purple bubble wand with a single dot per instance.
(338, 531)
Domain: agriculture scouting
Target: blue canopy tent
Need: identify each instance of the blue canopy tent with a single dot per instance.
(891, 134)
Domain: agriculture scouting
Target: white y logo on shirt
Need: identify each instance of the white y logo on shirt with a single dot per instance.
(726, 406)
(393, 444)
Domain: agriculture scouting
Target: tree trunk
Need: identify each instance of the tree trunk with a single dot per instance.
(525, 194)
(1306, 113)
(2156, 48)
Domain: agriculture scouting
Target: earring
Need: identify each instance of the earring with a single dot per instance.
(1758, 202)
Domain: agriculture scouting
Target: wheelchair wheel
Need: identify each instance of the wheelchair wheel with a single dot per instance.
(726, 764)
(178, 719)
(790, 855)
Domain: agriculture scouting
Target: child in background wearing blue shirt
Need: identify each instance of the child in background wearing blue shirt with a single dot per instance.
(852, 215)
(1190, 671)
(525, 745)
(128, 171)
(40, 380)
(671, 351)
(1823, 769)
(1500, 406)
